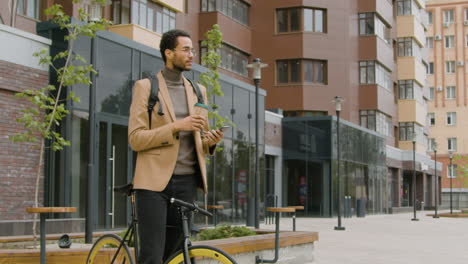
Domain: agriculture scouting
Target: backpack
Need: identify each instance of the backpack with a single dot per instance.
(154, 98)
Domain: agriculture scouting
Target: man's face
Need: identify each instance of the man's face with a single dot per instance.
(181, 57)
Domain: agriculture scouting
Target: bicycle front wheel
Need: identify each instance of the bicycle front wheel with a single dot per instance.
(109, 249)
(203, 255)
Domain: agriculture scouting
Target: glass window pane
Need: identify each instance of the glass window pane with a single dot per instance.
(142, 15)
(135, 9)
(308, 19)
(295, 70)
(318, 21)
(319, 72)
(295, 19)
(150, 22)
(282, 16)
(282, 67)
(308, 71)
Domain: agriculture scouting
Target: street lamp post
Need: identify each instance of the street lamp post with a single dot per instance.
(414, 177)
(257, 66)
(338, 100)
(436, 180)
(451, 176)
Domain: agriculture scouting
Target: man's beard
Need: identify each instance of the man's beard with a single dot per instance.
(181, 67)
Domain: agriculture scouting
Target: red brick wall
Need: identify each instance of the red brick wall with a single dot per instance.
(18, 161)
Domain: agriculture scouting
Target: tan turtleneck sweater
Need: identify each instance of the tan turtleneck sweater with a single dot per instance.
(186, 159)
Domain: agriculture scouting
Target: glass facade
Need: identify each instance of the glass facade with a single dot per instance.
(120, 63)
(310, 160)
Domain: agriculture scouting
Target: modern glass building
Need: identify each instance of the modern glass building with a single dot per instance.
(99, 140)
(310, 155)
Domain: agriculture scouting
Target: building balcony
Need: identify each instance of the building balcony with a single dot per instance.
(375, 48)
(410, 26)
(234, 33)
(411, 68)
(383, 7)
(177, 5)
(138, 34)
(412, 111)
(373, 96)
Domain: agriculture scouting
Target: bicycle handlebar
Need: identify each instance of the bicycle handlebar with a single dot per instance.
(192, 207)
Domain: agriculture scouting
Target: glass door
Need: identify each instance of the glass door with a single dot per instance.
(114, 167)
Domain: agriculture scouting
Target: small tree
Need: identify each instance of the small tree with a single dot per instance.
(47, 109)
(461, 171)
(210, 79)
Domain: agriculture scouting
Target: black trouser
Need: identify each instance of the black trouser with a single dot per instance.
(159, 222)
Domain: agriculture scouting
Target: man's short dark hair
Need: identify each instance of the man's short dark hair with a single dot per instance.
(169, 40)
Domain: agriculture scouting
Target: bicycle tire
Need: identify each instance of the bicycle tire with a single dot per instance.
(105, 248)
(202, 254)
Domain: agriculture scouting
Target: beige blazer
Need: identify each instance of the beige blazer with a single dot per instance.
(157, 147)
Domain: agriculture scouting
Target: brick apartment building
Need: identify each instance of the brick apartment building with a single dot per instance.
(447, 43)
(370, 52)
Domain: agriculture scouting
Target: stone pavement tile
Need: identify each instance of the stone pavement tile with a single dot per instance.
(382, 239)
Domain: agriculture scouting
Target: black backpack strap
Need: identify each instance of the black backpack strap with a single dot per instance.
(197, 91)
(153, 98)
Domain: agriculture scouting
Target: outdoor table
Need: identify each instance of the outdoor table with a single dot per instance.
(215, 214)
(277, 211)
(43, 211)
(296, 207)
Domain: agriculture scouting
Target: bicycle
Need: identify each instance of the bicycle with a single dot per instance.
(110, 248)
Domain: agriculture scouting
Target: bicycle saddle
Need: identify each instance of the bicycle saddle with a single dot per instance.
(126, 189)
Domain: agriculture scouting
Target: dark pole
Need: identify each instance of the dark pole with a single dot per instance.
(414, 181)
(90, 192)
(257, 66)
(436, 183)
(451, 176)
(339, 227)
(257, 175)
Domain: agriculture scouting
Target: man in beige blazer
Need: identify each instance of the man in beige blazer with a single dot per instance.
(171, 153)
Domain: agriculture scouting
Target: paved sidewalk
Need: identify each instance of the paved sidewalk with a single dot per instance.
(387, 239)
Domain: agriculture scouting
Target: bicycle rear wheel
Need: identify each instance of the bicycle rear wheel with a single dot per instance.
(203, 255)
(106, 249)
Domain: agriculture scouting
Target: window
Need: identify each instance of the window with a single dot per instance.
(376, 121)
(149, 15)
(466, 14)
(121, 12)
(430, 42)
(466, 40)
(232, 59)
(235, 9)
(371, 72)
(301, 19)
(301, 70)
(29, 8)
(450, 66)
(430, 68)
(448, 16)
(404, 7)
(371, 24)
(405, 47)
(452, 144)
(451, 118)
(431, 93)
(406, 131)
(431, 118)
(450, 92)
(452, 171)
(449, 41)
(406, 89)
(429, 17)
(314, 71)
(431, 144)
